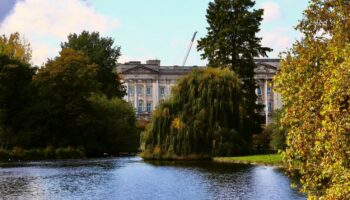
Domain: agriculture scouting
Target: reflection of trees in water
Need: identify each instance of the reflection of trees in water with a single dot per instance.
(218, 180)
(119, 178)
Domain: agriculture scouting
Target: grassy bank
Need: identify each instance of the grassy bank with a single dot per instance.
(146, 155)
(270, 159)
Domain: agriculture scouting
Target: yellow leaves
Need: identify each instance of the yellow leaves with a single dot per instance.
(315, 84)
(177, 123)
(165, 112)
(15, 47)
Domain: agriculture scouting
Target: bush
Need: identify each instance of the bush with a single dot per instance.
(261, 142)
(49, 152)
(278, 133)
(4, 155)
(17, 153)
(33, 154)
(69, 153)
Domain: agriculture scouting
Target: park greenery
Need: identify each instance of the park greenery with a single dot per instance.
(265, 159)
(232, 42)
(315, 85)
(199, 120)
(67, 104)
(213, 112)
(15, 47)
(71, 107)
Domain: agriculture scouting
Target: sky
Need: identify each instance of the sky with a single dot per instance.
(145, 29)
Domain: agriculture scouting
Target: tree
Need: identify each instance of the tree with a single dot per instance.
(314, 83)
(15, 96)
(278, 132)
(197, 119)
(71, 110)
(101, 51)
(232, 42)
(109, 126)
(64, 85)
(15, 47)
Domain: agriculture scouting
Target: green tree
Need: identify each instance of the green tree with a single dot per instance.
(197, 119)
(101, 51)
(278, 132)
(109, 126)
(314, 83)
(15, 96)
(64, 86)
(71, 110)
(232, 42)
(15, 47)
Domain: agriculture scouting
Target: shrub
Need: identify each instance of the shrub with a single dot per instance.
(33, 154)
(69, 153)
(17, 153)
(4, 155)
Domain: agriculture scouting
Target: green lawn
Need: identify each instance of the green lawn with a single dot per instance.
(270, 159)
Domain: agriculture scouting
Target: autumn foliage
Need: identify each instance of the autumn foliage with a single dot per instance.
(315, 84)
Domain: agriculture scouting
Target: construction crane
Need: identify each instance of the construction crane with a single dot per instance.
(189, 48)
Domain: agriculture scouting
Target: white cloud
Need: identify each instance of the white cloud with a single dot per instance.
(278, 39)
(272, 11)
(47, 23)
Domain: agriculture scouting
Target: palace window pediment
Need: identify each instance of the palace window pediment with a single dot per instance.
(265, 68)
(140, 69)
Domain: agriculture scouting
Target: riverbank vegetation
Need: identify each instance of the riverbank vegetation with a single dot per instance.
(267, 159)
(314, 82)
(20, 154)
(68, 103)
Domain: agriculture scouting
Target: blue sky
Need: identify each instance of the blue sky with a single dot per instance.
(149, 29)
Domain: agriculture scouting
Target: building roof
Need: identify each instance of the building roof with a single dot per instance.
(154, 67)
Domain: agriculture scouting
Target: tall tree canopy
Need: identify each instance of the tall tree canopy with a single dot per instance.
(200, 118)
(232, 42)
(15, 96)
(101, 51)
(315, 85)
(72, 110)
(15, 47)
(64, 86)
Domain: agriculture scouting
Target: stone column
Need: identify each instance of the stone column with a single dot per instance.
(153, 94)
(266, 105)
(144, 87)
(126, 97)
(157, 93)
(135, 94)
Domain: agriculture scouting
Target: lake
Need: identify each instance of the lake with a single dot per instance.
(133, 178)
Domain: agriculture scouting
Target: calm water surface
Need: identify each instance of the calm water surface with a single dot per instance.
(132, 178)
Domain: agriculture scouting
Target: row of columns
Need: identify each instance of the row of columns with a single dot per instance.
(154, 92)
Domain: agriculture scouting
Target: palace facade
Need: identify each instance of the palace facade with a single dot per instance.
(150, 83)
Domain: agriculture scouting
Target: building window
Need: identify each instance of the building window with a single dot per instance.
(148, 107)
(148, 91)
(139, 90)
(259, 91)
(131, 90)
(162, 91)
(268, 90)
(269, 107)
(139, 107)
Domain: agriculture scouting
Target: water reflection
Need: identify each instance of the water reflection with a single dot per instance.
(132, 178)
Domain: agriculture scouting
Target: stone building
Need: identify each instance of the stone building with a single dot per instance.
(150, 83)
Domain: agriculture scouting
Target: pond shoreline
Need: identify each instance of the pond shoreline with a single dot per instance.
(274, 160)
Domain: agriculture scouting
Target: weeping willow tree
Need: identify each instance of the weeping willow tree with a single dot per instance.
(201, 118)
